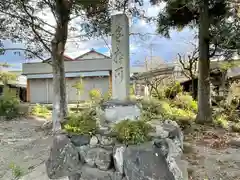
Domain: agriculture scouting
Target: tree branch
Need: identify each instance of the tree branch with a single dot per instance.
(25, 20)
(22, 49)
(33, 28)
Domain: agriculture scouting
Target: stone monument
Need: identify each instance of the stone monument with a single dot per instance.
(120, 57)
(120, 107)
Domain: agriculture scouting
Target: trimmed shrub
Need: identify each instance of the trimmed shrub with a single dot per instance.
(132, 132)
(82, 123)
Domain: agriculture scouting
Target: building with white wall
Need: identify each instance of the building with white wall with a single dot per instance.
(94, 68)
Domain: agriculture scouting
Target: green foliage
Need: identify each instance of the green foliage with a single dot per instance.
(150, 108)
(158, 93)
(107, 96)
(79, 86)
(173, 89)
(185, 101)
(95, 95)
(236, 127)
(221, 121)
(187, 14)
(183, 117)
(17, 171)
(132, 91)
(41, 111)
(167, 109)
(6, 76)
(132, 132)
(83, 122)
(224, 66)
(9, 104)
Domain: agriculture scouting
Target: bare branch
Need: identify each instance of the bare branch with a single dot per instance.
(188, 66)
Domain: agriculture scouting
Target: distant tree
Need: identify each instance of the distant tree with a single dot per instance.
(156, 85)
(6, 76)
(189, 67)
(202, 14)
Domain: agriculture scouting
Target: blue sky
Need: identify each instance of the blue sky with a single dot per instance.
(165, 49)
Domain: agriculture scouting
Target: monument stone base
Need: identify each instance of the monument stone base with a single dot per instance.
(114, 111)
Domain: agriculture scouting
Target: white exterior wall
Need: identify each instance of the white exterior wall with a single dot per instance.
(41, 90)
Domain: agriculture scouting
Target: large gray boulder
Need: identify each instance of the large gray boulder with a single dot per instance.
(64, 159)
(99, 157)
(80, 140)
(146, 162)
(118, 157)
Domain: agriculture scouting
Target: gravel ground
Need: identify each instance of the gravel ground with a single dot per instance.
(211, 154)
(22, 144)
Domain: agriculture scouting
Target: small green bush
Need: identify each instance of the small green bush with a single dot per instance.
(17, 171)
(9, 105)
(221, 121)
(95, 95)
(183, 117)
(150, 108)
(167, 109)
(82, 123)
(185, 101)
(173, 89)
(158, 93)
(41, 111)
(132, 132)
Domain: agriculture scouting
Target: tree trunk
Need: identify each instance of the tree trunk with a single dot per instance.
(194, 88)
(204, 106)
(63, 9)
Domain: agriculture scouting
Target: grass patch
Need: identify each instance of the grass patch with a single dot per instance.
(17, 171)
(132, 132)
